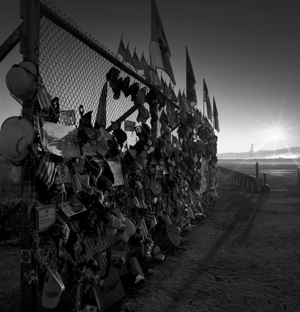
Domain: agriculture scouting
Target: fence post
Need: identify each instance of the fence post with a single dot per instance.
(29, 12)
(265, 178)
(299, 175)
(256, 170)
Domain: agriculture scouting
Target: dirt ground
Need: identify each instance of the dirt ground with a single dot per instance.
(244, 257)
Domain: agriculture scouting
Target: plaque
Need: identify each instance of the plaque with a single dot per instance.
(110, 290)
(45, 217)
(72, 208)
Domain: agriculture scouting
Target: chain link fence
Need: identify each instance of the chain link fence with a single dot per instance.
(77, 73)
(73, 68)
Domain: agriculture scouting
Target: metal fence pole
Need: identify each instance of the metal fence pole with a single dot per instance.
(29, 12)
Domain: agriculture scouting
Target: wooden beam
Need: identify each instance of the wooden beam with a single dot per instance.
(10, 42)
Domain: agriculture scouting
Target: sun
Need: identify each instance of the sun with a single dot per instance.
(275, 134)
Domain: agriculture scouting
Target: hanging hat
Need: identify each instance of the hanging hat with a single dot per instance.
(129, 230)
(120, 136)
(140, 96)
(125, 87)
(112, 74)
(16, 135)
(151, 97)
(116, 86)
(134, 88)
(86, 120)
(21, 80)
(139, 147)
(143, 114)
(114, 148)
(53, 287)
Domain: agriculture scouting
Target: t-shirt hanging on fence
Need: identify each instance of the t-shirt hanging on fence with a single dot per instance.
(63, 141)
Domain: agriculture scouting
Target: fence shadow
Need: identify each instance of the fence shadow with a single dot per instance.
(250, 204)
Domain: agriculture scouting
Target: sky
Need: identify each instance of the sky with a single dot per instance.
(246, 50)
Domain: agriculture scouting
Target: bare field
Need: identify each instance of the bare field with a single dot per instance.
(280, 173)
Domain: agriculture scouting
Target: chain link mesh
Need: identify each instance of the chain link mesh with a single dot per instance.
(75, 73)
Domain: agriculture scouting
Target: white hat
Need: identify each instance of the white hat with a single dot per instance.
(21, 80)
(128, 231)
(16, 135)
(53, 287)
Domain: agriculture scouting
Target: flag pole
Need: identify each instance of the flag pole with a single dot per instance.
(203, 99)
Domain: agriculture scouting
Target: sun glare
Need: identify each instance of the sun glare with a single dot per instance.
(275, 134)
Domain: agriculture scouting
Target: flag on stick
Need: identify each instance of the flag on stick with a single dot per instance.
(136, 62)
(186, 104)
(206, 100)
(159, 48)
(146, 67)
(190, 82)
(216, 116)
(173, 95)
(124, 52)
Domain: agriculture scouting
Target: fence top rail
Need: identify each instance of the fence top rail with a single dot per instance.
(62, 23)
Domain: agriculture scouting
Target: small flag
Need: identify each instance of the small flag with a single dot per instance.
(215, 117)
(190, 82)
(136, 62)
(206, 100)
(47, 170)
(130, 60)
(159, 48)
(181, 100)
(183, 109)
(43, 97)
(146, 68)
(173, 95)
(164, 86)
(186, 104)
(124, 52)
